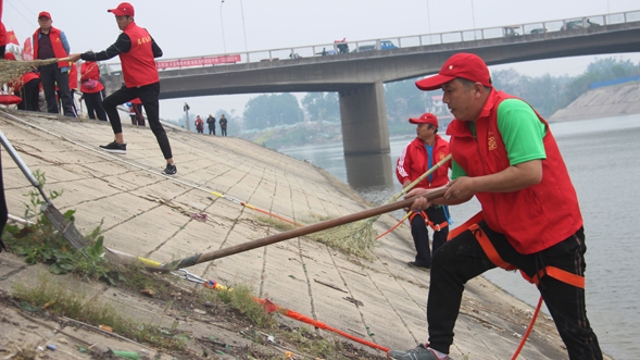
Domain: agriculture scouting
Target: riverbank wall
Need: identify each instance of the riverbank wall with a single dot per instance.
(602, 102)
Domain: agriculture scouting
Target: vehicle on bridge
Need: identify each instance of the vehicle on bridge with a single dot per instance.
(511, 31)
(541, 30)
(384, 45)
(578, 24)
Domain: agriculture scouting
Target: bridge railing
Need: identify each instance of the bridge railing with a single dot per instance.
(340, 47)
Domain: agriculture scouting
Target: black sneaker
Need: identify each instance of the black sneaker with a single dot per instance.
(114, 147)
(421, 352)
(170, 169)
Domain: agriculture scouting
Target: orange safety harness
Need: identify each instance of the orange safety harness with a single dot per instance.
(492, 254)
(435, 227)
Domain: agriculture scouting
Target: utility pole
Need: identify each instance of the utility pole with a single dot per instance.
(186, 109)
(224, 41)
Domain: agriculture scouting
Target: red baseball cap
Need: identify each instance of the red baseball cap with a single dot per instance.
(461, 65)
(426, 118)
(124, 9)
(44, 14)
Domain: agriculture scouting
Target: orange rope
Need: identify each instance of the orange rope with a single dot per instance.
(269, 213)
(395, 226)
(271, 307)
(526, 334)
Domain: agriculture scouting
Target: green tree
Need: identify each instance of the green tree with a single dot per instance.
(403, 99)
(322, 106)
(271, 110)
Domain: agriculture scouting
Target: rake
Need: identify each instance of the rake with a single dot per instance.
(359, 237)
(62, 224)
(11, 69)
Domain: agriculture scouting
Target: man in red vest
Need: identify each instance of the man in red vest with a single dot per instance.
(427, 149)
(137, 51)
(505, 155)
(50, 42)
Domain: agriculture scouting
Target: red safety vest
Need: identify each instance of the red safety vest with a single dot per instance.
(413, 162)
(89, 78)
(56, 44)
(138, 65)
(534, 218)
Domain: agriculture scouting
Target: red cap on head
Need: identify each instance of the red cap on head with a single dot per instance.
(9, 56)
(426, 118)
(44, 14)
(124, 9)
(461, 65)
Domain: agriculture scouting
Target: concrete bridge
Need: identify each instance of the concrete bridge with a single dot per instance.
(358, 76)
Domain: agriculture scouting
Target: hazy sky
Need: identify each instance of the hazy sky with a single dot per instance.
(193, 27)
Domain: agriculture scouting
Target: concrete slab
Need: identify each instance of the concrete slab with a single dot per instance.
(146, 213)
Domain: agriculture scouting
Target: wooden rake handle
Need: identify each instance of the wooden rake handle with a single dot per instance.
(272, 239)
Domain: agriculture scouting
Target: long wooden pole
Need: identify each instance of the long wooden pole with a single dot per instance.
(272, 239)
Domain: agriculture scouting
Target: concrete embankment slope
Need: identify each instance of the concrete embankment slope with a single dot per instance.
(602, 102)
(148, 214)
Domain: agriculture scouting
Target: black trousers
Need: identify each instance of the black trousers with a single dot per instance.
(94, 105)
(462, 259)
(223, 131)
(148, 94)
(50, 75)
(212, 130)
(420, 232)
(30, 96)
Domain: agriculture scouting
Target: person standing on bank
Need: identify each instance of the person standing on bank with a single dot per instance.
(137, 51)
(223, 125)
(199, 125)
(505, 155)
(91, 89)
(427, 149)
(211, 122)
(50, 42)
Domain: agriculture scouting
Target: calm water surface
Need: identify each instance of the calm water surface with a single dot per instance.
(603, 159)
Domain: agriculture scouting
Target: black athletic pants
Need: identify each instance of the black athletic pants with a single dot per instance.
(148, 94)
(462, 259)
(50, 75)
(420, 232)
(31, 95)
(94, 105)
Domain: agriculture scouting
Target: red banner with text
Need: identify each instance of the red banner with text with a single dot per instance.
(180, 63)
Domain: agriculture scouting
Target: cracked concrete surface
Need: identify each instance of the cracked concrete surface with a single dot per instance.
(148, 214)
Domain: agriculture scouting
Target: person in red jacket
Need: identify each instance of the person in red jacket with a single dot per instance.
(50, 42)
(137, 51)
(427, 149)
(3, 39)
(91, 89)
(27, 87)
(505, 155)
(199, 125)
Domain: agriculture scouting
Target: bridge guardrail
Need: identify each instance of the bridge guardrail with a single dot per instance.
(337, 48)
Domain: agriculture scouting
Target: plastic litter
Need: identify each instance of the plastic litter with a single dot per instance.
(125, 354)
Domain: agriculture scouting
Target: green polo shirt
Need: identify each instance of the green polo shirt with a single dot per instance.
(522, 133)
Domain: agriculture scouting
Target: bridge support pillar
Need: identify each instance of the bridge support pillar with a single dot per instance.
(364, 120)
(365, 136)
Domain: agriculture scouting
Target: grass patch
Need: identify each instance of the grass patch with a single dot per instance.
(53, 296)
(241, 299)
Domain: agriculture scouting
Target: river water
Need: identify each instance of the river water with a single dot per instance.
(602, 156)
